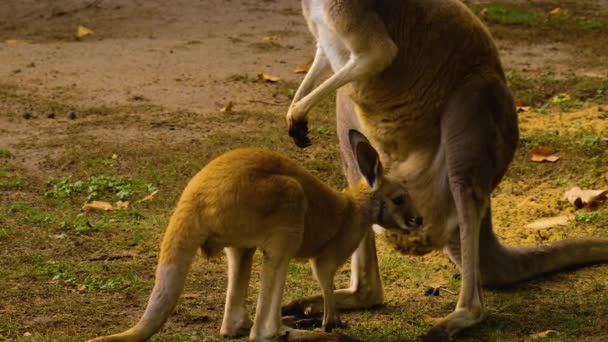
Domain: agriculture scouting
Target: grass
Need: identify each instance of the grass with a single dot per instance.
(66, 275)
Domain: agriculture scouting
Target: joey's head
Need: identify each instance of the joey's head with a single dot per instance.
(390, 203)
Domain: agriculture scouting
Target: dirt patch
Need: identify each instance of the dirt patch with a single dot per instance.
(141, 99)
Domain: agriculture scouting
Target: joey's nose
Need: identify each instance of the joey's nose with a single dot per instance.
(414, 222)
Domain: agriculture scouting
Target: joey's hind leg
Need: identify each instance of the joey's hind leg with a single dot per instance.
(236, 321)
(276, 255)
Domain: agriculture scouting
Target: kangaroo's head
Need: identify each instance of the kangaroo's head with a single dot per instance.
(391, 205)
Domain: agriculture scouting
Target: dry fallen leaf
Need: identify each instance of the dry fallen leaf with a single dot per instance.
(550, 222)
(83, 31)
(544, 334)
(13, 41)
(97, 206)
(523, 109)
(542, 154)
(267, 78)
(227, 108)
(581, 198)
(556, 11)
(121, 205)
(81, 288)
(148, 198)
(302, 69)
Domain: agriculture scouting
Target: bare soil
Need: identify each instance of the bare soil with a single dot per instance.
(142, 96)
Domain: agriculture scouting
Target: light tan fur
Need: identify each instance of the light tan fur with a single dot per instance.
(423, 80)
(250, 199)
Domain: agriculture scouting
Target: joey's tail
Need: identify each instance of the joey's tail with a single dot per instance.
(180, 242)
(503, 265)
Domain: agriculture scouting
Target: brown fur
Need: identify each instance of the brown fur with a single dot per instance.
(439, 113)
(251, 199)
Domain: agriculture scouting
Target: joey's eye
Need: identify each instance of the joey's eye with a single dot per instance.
(399, 200)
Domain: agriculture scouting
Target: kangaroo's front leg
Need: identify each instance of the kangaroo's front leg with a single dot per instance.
(299, 131)
(370, 50)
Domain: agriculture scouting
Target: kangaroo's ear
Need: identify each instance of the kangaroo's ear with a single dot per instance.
(367, 158)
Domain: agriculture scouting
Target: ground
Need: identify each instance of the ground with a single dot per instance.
(136, 107)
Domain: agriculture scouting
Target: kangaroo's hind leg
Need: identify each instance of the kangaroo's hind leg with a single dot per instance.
(236, 321)
(479, 134)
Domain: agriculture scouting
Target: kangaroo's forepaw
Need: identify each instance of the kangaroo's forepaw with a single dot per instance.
(302, 323)
(298, 131)
(435, 335)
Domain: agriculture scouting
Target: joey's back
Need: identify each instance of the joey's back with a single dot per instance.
(253, 191)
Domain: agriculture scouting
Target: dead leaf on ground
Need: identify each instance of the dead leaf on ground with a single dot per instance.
(557, 11)
(549, 222)
(523, 109)
(14, 41)
(227, 108)
(543, 154)
(302, 69)
(544, 334)
(121, 205)
(149, 197)
(267, 78)
(581, 198)
(269, 38)
(97, 206)
(83, 31)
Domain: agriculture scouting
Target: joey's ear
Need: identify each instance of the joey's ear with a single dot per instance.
(367, 157)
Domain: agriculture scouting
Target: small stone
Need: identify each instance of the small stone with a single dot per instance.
(71, 115)
(27, 115)
(50, 115)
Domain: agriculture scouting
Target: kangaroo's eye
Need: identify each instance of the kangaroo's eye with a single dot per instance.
(399, 200)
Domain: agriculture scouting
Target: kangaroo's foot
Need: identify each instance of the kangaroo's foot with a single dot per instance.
(346, 299)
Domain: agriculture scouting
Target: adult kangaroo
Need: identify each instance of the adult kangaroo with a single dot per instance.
(423, 80)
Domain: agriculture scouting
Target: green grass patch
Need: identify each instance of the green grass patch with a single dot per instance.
(510, 15)
(545, 91)
(4, 153)
(28, 214)
(96, 187)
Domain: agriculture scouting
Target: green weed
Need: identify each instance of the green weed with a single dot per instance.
(96, 187)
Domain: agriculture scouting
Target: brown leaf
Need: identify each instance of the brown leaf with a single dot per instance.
(523, 109)
(549, 222)
(267, 78)
(581, 198)
(227, 108)
(97, 206)
(556, 11)
(542, 154)
(544, 334)
(121, 205)
(149, 197)
(302, 69)
(83, 31)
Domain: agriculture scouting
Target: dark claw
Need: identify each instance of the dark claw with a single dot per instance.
(299, 133)
(296, 309)
(435, 335)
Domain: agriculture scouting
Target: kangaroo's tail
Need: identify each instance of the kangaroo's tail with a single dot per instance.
(503, 265)
(180, 242)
